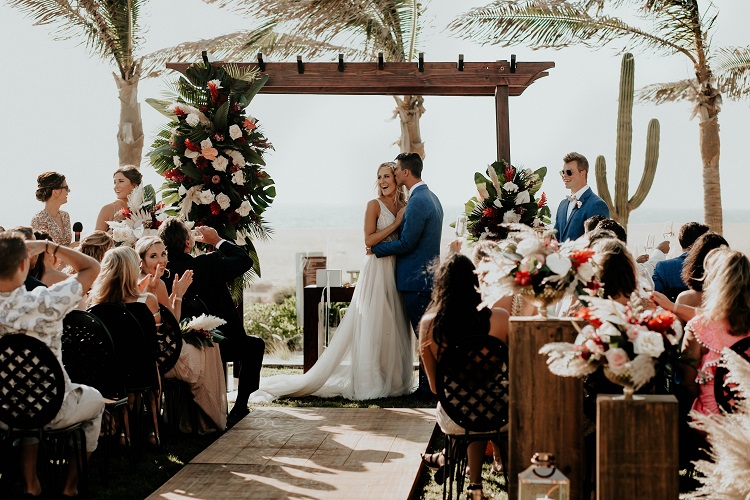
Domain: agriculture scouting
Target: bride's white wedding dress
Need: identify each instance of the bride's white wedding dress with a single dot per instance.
(371, 353)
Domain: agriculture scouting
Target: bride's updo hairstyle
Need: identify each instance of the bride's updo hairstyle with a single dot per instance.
(400, 190)
(48, 182)
(131, 173)
(616, 268)
(118, 277)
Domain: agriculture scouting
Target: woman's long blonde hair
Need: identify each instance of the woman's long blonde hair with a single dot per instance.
(726, 289)
(400, 190)
(118, 277)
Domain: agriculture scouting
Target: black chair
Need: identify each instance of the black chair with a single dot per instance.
(472, 380)
(725, 395)
(176, 394)
(32, 390)
(192, 306)
(136, 359)
(89, 358)
(168, 340)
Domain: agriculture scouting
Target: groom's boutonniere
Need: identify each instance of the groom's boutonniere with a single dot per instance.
(579, 203)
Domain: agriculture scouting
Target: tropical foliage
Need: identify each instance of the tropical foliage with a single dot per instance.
(110, 30)
(320, 28)
(665, 27)
(211, 153)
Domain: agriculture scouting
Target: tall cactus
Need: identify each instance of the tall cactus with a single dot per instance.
(621, 208)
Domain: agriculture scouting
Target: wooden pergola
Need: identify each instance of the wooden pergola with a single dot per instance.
(500, 79)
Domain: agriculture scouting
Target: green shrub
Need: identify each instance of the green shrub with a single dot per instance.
(276, 324)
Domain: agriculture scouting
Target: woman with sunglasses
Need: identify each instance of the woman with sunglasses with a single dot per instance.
(52, 189)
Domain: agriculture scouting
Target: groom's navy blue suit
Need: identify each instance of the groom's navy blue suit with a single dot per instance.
(417, 247)
(572, 228)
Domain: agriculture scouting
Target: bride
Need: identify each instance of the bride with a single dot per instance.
(371, 354)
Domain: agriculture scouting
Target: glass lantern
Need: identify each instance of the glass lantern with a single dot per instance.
(543, 481)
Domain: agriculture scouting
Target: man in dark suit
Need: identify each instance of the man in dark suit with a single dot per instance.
(418, 244)
(668, 274)
(581, 203)
(212, 273)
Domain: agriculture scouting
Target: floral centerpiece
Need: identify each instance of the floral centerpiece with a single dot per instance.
(533, 264)
(507, 197)
(202, 331)
(211, 153)
(142, 217)
(627, 341)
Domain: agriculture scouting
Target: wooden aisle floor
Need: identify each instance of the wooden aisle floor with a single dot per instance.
(310, 453)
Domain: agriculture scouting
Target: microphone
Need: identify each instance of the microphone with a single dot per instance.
(77, 228)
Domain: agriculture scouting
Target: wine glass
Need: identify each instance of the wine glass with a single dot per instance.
(461, 227)
(649, 243)
(668, 230)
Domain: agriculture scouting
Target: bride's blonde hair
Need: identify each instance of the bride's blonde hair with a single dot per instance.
(118, 277)
(400, 190)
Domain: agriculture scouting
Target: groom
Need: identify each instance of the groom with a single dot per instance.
(418, 244)
(581, 203)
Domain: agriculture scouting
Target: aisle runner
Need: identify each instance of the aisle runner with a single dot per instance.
(310, 453)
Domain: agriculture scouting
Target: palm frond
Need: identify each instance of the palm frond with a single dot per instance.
(659, 93)
(554, 24)
(732, 69)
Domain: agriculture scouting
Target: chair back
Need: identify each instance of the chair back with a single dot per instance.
(169, 341)
(192, 306)
(89, 354)
(726, 396)
(32, 383)
(472, 380)
(135, 353)
(146, 319)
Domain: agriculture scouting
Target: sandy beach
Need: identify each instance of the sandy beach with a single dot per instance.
(345, 248)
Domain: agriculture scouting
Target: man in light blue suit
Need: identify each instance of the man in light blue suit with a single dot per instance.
(418, 245)
(581, 203)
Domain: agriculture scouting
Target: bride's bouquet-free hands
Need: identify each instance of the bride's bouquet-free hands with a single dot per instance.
(202, 330)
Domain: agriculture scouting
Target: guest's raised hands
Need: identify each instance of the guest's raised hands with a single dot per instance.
(148, 283)
(181, 284)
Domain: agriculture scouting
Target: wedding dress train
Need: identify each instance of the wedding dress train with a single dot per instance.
(371, 353)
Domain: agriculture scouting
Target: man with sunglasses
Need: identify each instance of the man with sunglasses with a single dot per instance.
(581, 203)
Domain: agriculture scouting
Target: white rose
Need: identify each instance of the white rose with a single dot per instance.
(238, 178)
(617, 360)
(559, 264)
(511, 217)
(206, 143)
(523, 197)
(236, 157)
(206, 197)
(649, 343)
(244, 209)
(191, 154)
(498, 203)
(192, 119)
(176, 161)
(223, 201)
(120, 234)
(529, 246)
(510, 187)
(585, 272)
(607, 331)
(220, 163)
(235, 132)
(588, 332)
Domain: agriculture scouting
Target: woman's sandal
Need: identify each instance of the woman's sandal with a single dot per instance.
(474, 492)
(432, 460)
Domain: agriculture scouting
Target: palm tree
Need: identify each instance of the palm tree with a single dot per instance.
(109, 29)
(357, 29)
(663, 26)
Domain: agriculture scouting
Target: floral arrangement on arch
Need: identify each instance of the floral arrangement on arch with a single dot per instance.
(628, 341)
(202, 331)
(507, 197)
(142, 217)
(211, 153)
(535, 265)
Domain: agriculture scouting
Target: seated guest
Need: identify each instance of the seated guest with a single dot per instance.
(451, 316)
(153, 263)
(212, 274)
(28, 234)
(591, 223)
(117, 283)
(96, 245)
(668, 274)
(616, 269)
(644, 264)
(45, 269)
(725, 319)
(39, 314)
(693, 272)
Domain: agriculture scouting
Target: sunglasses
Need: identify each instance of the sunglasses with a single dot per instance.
(568, 172)
(65, 187)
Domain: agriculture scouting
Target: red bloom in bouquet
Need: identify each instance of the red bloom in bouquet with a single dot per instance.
(523, 278)
(215, 208)
(585, 313)
(661, 322)
(509, 173)
(542, 201)
(581, 256)
(192, 146)
(125, 212)
(234, 217)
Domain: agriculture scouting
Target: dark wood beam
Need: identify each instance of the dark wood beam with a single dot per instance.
(365, 78)
(503, 123)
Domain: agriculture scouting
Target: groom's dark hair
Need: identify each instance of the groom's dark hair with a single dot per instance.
(174, 233)
(411, 162)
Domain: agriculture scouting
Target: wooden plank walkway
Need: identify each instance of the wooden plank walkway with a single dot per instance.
(310, 453)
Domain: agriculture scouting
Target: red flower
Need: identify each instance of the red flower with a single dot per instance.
(213, 90)
(178, 111)
(201, 163)
(125, 212)
(203, 108)
(523, 278)
(249, 124)
(661, 322)
(585, 313)
(175, 175)
(489, 212)
(542, 200)
(509, 173)
(581, 256)
(215, 208)
(192, 146)
(218, 138)
(240, 140)
(234, 217)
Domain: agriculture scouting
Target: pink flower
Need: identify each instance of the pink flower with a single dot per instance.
(210, 153)
(633, 331)
(617, 358)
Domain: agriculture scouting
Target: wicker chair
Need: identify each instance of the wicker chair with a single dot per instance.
(472, 380)
(725, 394)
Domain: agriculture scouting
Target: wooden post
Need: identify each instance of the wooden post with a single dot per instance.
(637, 448)
(312, 296)
(546, 411)
(503, 123)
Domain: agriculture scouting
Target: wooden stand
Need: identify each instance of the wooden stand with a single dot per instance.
(637, 448)
(546, 411)
(312, 295)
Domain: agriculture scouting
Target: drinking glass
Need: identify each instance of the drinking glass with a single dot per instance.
(461, 227)
(668, 230)
(649, 243)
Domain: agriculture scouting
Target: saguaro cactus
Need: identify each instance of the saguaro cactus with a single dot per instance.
(622, 206)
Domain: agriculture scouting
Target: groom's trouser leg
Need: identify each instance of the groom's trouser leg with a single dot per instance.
(416, 304)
